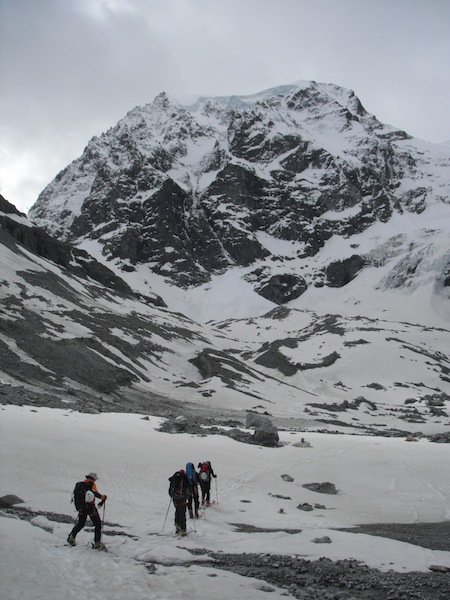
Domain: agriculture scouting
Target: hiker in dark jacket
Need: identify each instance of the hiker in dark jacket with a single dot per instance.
(205, 473)
(194, 482)
(179, 491)
(89, 510)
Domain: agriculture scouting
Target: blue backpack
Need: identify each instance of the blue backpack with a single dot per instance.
(191, 473)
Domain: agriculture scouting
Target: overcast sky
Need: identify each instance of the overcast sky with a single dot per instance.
(70, 69)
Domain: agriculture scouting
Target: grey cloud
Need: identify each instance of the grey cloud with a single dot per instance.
(70, 70)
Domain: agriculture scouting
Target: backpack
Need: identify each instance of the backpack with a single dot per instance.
(178, 490)
(191, 474)
(204, 472)
(79, 494)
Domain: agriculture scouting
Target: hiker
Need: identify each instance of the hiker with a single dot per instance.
(85, 493)
(206, 472)
(179, 491)
(194, 481)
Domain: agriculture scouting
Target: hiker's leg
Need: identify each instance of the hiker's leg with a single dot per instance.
(182, 521)
(196, 501)
(177, 516)
(82, 516)
(97, 523)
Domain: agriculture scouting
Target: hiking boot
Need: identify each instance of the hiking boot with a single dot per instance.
(183, 532)
(71, 540)
(208, 504)
(196, 515)
(99, 546)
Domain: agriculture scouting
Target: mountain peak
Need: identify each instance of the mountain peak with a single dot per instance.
(162, 101)
(269, 185)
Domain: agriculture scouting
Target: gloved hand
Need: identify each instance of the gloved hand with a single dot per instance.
(104, 498)
(214, 476)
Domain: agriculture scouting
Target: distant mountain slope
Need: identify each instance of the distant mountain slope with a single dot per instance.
(76, 261)
(298, 188)
(73, 335)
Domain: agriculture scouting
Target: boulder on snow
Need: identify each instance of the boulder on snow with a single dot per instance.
(323, 540)
(266, 434)
(181, 424)
(286, 477)
(10, 500)
(321, 488)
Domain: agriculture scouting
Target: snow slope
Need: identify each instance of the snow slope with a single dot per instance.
(44, 451)
(97, 349)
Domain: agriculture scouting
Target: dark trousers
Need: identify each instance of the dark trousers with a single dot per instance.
(194, 498)
(180, 515)
(96, 522)
(206, 489)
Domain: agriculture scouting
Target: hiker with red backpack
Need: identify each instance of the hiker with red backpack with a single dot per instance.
(206, 472)
(180, 492)
(84, 495)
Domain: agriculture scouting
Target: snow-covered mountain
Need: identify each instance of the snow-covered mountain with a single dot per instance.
(295, 195)
(72, 334)
(284, 254)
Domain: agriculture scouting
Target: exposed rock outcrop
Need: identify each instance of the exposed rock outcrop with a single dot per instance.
(193, 190)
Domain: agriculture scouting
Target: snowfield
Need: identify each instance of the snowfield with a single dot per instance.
(45, 451)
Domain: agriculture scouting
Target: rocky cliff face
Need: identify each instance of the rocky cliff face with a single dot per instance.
(263, 183)
(74, 336)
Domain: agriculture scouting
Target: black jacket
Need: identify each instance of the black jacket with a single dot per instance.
(179, 488)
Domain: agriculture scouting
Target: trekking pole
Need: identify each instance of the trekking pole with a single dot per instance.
(102, 503)
(168, 508)
(217, 495)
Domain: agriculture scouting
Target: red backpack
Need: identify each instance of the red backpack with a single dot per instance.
(204, 472)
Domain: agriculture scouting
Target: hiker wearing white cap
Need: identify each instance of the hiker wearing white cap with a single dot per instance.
(84, 496)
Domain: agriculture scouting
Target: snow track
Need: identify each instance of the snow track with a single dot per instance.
(379, 480)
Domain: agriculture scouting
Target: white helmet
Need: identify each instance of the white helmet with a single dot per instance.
(89, 497)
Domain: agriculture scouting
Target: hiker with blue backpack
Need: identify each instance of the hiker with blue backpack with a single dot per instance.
(205, 473)
(194, 482)
(84, 495)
